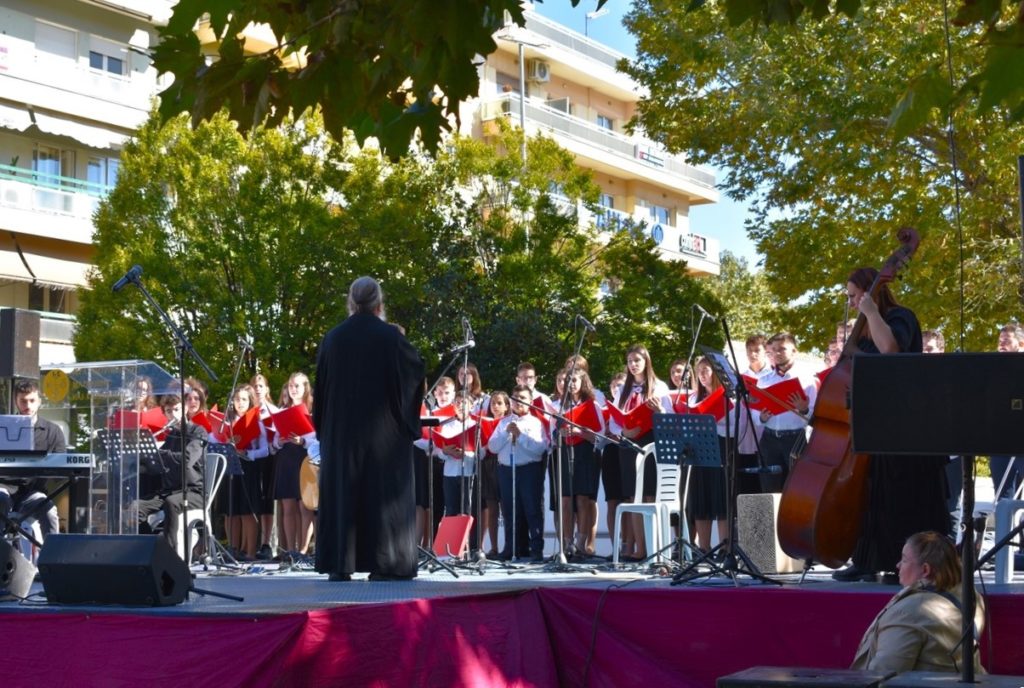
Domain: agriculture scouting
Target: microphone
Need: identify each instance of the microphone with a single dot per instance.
(467, 329)
(468, 344)
(246, 343)
(129, 276)
(586, 323)
(775, 470)
(706, 314)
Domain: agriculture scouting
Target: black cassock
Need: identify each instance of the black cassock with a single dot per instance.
(366, 408)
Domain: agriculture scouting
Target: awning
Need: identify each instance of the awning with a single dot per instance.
(16, 118)
(49, 271)
(94, 136)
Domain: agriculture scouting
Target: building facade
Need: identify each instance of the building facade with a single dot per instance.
(75, 82)
(575, 95)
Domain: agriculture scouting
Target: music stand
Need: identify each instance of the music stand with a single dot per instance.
(117, 446)
(939, 407)
(427, 555)
(726, 558)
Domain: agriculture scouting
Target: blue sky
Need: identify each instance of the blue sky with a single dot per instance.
(722, 220)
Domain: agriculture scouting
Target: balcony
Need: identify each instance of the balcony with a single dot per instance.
(63, 85)
(700, 252)
(67, 204)
(555, 33)
(634, 157)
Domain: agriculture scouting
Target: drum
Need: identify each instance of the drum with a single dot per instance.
(309, 483)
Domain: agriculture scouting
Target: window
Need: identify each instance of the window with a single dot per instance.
(506, 83)
(606, 201)
(49, 299)
(107, 56)
(50, 164)
(56, 41)
(101, 172)
(605, 123)
(658, 214)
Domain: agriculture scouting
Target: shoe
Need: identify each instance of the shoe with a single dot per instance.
(493, 555)
(537, 558)
(389, 577)
(853, 573)
(264, 552)
(339, 577)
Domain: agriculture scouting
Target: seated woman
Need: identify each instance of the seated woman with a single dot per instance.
(920, 628)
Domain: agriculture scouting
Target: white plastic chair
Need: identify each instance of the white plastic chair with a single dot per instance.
(657, 514)
(216, 466)
(1007, 511)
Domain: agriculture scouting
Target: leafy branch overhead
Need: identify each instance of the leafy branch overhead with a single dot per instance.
(996, 26)
(381, 68)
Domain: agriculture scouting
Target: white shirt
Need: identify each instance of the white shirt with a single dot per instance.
(453, 468)
(530, 446)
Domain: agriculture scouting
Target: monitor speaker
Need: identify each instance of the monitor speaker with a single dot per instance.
(127, 570)
(756, 517)
(16, 573)
(19, 343)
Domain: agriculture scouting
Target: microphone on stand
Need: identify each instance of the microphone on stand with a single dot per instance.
(129, 277)
(586, 323)
(246, 343)
(467, 329)
(469, 344)
(707, 315)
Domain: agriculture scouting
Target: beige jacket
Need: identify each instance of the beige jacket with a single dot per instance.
(917, 631)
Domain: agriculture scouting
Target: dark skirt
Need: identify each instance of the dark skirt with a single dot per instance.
(244, 492)
(906, 495)
(268, 471)
(610, 475)
(707, 497)
(627, 469)
(422, 480)
(489, 478)
(286, 477)
(585, 471)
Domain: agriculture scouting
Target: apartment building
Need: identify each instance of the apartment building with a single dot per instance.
(574, 95)
(75, 82)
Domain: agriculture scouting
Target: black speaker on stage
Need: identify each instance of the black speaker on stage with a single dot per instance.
(798, 677)
(19, 343)
(128, 570)
(16, 572)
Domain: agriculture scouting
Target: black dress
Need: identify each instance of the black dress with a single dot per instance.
(366, 411)
(906, 494)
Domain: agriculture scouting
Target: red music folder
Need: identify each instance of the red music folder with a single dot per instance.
(772, 398)
(713, 404)
(452, 539)
(246, 429)
(584, 414)
(293, 420)
(642, 418)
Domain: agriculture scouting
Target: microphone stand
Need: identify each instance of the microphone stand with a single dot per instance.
(556, 565)
(181, 346)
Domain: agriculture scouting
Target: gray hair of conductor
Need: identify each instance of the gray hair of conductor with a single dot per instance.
(365, 296)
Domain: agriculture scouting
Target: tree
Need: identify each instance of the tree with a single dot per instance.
(261, 236)
(382, 68)
(798, 113)
(746, 300)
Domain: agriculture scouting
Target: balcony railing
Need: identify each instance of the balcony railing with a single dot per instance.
(30, 190)
(556, 33)
(645, 152)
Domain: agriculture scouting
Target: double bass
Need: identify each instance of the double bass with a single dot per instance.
(824, 498)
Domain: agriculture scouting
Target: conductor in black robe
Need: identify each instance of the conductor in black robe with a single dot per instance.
(366, 409)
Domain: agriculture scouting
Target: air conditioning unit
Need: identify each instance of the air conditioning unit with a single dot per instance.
(538, 70)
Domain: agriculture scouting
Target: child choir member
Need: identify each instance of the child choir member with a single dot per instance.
(245, 490)
(267, 466)
(298, 521)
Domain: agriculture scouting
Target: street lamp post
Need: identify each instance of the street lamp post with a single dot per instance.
(596, 14)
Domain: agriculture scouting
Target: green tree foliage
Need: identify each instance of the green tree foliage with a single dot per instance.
(382, 68)
(799, 114)
(260, 236)
(747, 301)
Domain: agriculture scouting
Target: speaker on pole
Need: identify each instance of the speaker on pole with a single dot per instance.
(19, 343)
(16, 572)
(128, 570)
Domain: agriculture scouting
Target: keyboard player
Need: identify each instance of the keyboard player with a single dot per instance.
(27, 496)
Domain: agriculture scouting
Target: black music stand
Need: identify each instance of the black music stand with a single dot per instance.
(687, 440)
(427, 556)
(942, 404)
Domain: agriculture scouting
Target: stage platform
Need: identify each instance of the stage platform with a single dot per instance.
(530, 627)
